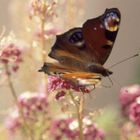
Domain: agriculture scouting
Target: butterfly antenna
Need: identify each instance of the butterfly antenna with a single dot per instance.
(128, 58)
(106, 86)
(116, 82)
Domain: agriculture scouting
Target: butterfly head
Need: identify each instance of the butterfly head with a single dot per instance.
(112, 19)
(44, 68)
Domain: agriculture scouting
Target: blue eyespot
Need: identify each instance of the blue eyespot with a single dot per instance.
(76, 37)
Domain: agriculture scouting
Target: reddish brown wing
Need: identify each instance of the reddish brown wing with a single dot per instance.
(93, 43)
(70, 50)
(100, 33)
(86, 49)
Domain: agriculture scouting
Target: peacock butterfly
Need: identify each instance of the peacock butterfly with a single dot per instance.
(82, 51)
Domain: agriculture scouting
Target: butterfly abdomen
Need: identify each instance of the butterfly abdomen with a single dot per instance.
(96, 68)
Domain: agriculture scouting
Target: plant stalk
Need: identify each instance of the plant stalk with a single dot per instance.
(79, 111)
(13, 92)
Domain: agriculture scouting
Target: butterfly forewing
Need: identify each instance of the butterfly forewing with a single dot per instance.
(98, 38)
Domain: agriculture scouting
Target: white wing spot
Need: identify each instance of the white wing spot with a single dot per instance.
(95, 28)
(101, 26)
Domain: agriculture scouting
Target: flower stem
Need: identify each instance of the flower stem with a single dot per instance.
(79, 111)
(10, 84)
(81, 105)
(43, 40)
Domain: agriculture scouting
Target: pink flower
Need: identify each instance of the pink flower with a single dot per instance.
(57, 83)
(11, 53)
(92, 132)
(128, 95)
(130, 103)
(60, 95)
(69, 128)
(33, 102)
(33, 106)
(13, 122)
(41, 8)
(51, 31)
(134, 111)
(60, 128)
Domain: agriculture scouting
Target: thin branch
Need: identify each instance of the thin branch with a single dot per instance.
(10, 83)
(13, 92)
(79, 111)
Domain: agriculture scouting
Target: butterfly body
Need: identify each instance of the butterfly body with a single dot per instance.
(82, 51)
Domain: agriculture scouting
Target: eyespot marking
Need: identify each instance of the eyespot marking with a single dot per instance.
(111, 35)
(111, 21)
(76, 37)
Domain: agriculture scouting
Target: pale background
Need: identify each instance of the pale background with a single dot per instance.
(127, 44)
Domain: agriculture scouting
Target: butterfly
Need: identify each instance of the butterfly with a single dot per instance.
(82, 51)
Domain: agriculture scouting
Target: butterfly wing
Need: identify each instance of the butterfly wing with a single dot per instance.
(69, 49)
(100, 34)
(81, 52)
(67, 73)
(80, 47)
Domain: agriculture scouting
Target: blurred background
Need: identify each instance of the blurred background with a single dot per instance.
(127, 44)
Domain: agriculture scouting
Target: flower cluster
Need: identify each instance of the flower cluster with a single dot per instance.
(10, 53)
(42, 8)
(44, 12)
(61, 85)
(47, 33)
(130, 103)
(68, 128)
(31, 107)
(30, 102)
(12, 121)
